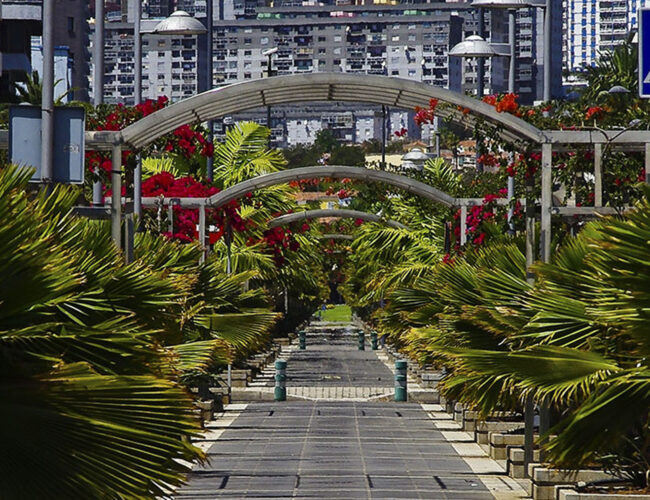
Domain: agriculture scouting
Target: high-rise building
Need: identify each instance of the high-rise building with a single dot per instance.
(594, 26)
(169, 63)
(20, 20)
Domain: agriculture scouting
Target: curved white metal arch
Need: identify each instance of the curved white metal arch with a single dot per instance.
(375, 89)
(333, 171)
(334, 213)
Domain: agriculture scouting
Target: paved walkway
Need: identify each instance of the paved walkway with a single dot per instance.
(342, 449)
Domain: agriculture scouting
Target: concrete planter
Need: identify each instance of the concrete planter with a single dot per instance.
(483, 428)
(430, 379)
(499, 444)
(515, 463)
(544, 480)
(240, 378)
(206, 409)
(571, 494)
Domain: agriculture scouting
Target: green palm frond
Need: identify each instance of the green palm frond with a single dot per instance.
(92, 434)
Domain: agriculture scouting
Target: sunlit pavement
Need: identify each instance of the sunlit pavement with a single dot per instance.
(351, 448)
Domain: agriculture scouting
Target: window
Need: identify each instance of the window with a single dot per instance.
(337, 51)
(322, 39)
(264, 40)
(337, 38)
(71, 25)
(395, 38)
(248, 41)
(248, 52)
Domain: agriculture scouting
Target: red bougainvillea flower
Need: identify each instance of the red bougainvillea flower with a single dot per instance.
(401, 132)
(594, 112)
(508, 104)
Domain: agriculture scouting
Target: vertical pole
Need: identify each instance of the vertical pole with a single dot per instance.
(383, 137)
(98, 81)
(361, 339)
(463, 225)
(512, 21)
(647, 162)
(209, 36)
(598, 175)
(228, 249)
(116, 198)
(202, 232)
(128, 238)
(280, 380)
(480, 64)
(548, 16)
(545, 236)
(47, 96)
(170, 216)
(302, 339)
(137, 97)
(268, 108)
(400, 381)
(373, 340)
(286, 301)
(529, 405)
(98, 53)
(546, 202)
(511, 197)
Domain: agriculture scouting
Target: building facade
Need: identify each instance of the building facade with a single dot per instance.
(593, 26)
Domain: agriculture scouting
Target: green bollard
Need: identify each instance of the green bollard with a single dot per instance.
(373, 340)
(400, 380)
(302, 339)
(362, 341)
(280, 380)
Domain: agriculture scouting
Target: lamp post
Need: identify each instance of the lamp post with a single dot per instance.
(98, 81)
(269, 72)
(474, 46)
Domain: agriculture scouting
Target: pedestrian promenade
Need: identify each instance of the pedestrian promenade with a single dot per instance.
(351, 447)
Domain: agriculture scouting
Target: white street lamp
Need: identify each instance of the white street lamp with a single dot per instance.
(473, 46)
(180, 23)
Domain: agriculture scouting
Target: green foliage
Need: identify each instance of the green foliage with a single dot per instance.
(94, 349)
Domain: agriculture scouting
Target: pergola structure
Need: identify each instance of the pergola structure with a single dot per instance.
(382, 90)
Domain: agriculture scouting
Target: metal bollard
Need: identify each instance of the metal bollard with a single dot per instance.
(400, 380)
(373, 340)
(302, 339)
(280, 380)
(362, 340)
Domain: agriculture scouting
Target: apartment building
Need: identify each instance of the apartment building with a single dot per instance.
(593, 26)
(20, 20)
(169, 63)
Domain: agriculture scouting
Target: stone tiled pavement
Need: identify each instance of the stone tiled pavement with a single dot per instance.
(334, 449)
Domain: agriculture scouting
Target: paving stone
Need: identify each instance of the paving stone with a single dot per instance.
(338, 445)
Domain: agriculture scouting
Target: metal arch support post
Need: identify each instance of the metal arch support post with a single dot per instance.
(202, 233)
(116, 198)
(546, 202)
(647, 162)
(545, 253)
(463, 225)
(529, 405)
(383, 137)
(598, 175)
